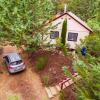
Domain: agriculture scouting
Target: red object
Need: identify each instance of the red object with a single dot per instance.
(10, 67)
(63, 82)
(67, 79)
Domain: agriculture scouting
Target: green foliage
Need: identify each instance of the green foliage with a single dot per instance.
(13, 98)
(90, 59)
(33, 44)
(95, 24)
(62, 95)
(46, 80)
(90, 85)
(60, 5)
(41, 63)
(64, 48)
(64, 31)
(61, 42)
(21, 19)
(93, 43)
(88, 88)
(82, 6)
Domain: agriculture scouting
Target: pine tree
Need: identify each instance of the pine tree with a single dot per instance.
(64, 31)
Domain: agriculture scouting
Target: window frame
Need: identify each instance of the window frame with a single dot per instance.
(53, 34)
(75, 39)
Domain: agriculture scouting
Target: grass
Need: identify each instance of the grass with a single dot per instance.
(62, 95)
(14, 98)
(46, 80)
(41, 63)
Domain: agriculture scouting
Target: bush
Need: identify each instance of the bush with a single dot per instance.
(93, 44)
(13, 98)
(88, 88)
(62, 95)
(46, 80)
(63, 48)
(41, 63)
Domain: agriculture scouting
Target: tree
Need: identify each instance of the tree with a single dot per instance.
(88, 88)
(93, 43)
(60, 5)
(64, 31)
(62, 41)
(22, 21)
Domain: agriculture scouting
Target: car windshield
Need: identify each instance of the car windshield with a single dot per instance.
(16, 62)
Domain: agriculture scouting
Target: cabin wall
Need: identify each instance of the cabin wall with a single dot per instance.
(75, 27)
(72, 26)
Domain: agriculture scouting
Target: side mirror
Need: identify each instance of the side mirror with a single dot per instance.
(4, 57)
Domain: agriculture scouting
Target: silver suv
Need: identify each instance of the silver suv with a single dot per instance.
(14, 62)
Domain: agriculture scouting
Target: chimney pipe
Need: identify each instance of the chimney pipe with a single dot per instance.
(65, 8)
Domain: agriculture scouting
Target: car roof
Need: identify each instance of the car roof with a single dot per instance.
(14, 57)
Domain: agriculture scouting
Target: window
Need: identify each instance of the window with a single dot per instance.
(72, 36)
(6, 58)
(16, 62)
(54, 34)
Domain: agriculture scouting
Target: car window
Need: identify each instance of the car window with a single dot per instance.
(16, 62)
(6, 58)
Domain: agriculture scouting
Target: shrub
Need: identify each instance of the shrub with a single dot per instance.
(62, 47)
(92, 43)
(13, 98)
(41, 63)
(88, 88)
(62, 95)
(64, 50)
(46, 80)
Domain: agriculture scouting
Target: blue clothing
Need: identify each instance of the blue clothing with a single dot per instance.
(84, 51)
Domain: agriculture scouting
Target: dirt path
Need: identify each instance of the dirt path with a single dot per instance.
(25, 85)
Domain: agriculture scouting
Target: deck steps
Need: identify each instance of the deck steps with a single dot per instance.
(58, 88)
(50, 95)
(53, 91)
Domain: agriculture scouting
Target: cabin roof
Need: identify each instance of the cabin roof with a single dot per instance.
(77, 19)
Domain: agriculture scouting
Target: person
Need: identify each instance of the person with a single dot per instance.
(84, 51)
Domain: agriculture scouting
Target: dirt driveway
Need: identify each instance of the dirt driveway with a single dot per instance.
(25, 85)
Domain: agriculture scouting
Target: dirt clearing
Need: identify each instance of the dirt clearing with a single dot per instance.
(53, 68)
